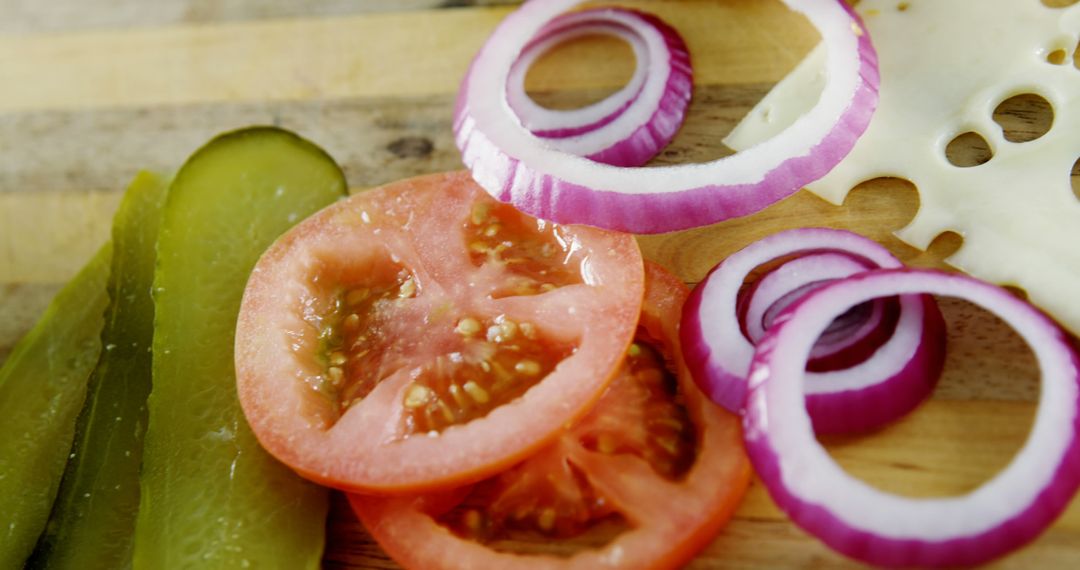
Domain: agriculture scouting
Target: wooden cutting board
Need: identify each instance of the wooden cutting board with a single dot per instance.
(95, 90)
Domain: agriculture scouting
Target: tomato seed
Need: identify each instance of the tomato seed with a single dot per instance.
(527, 367)
(546, 519)
(356, 296)
(468, 326)
(529, 330)
(351, 323)
(477, 393)
(509, 329)
(669, 445)
(447, 413)
(408, 289)
(417, 395)
(473, 520)
(459, 396)
(668, 422)
(501, 373)
(337, 376)
(479, 214)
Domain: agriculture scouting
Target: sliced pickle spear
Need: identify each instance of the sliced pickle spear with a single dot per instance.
(93, 519)
(42, 388)
(211, 497)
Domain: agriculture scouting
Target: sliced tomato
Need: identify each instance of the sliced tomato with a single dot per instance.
(422, 335)
(645, 480)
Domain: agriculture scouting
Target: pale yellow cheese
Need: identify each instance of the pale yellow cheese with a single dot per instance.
(945, 66)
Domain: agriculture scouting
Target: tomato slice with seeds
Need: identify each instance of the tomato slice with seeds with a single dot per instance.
(421, 335)
(645, 480)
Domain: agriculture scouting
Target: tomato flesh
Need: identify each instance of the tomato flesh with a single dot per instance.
(421, 335)
(640, 414)
(489, 362)
(487, 372)
(535, 252)
(643, 481)
(643, 415)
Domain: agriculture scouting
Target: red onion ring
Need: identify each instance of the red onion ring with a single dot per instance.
(894, 380)
(850, 339)
(867, 393)
(853, 338)
(516, 166)
(884, 529)
(586, 131)
(773, 292)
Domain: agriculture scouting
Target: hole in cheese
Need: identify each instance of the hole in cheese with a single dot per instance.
(967, 150)
(1075, 177)
(1056, 57)
(1024, 118)
(945, 244)
(1058, 3)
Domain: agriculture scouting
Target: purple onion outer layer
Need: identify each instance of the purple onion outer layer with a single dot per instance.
(516, 166)
(865, 523)
(872, 391)
(586, 131)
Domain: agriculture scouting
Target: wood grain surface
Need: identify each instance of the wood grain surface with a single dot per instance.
(94, 90)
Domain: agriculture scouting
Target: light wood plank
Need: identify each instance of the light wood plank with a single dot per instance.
(78, 225)
(388, 139)
(34, 16)
(377, 55)
(21, 304)
(375, 140)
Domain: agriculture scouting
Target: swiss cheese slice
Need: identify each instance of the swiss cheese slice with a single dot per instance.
(945, 66)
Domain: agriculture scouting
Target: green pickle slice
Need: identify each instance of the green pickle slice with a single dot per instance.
(211, 497)
(93, 519)
(42, 388)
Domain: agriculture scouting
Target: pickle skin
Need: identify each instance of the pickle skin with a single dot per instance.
(93, 519)
(211, 497)
(42, 389)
